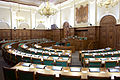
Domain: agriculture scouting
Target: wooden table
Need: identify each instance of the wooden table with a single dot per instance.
(72, 48)
(66, 71)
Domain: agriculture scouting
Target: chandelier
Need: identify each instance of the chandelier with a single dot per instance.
(47, 9)
(107, 3)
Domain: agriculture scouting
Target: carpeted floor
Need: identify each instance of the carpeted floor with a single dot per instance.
(2, 64)
(75, 63)
(75, 60)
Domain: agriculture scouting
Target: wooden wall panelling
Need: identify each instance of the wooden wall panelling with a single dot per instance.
(5, 34)
(117, 30)
(72, 31)
(56, 35)
(97, 37)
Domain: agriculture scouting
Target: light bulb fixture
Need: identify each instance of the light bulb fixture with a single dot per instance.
(47, 9)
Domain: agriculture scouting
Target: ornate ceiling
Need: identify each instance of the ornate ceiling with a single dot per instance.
(34, 2)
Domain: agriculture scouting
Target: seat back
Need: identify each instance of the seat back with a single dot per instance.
(68, 44)
(13, 58)
(19, 58)
(27, 59)
(40, 76)
(94, 64)
(36, 61)
(116, 78)
(25, 75)
(9, 74)
(109, 64)
(66, 77)
(61, 63)
(48, 62)
(98, 78)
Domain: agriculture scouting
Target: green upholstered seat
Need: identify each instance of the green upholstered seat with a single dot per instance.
(116, 55)
(109, 64)
(94, 64)
(25, 75)
(57, 43)
(68, 44)
(8, 56)
(65, 77)
(98, 78)
(88, 56)
(98, 56)
(26, 59)
(40, 76)
(81, 38)
(48, 62)
(62, 63)
(85, 38)
(108, 55)
(19, 58)
(36, 61)
(39, 53)
(9, 74)
(13, 58)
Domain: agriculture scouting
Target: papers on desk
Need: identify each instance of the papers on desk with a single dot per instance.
(40, 66)
(55, 58)
(65, 58)
(22, 53)
(9, 46)
(108, 48)
(45, 57)
(29, 54)
(92, 59)
(40, 51)
(113, 70)
(26, 64)
(103, 59)
(73, 69)
(114, 58)
(86, 54)
(57, 68)
(94, 69)
(67, 53)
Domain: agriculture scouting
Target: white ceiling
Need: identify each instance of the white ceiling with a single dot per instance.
(34, 2)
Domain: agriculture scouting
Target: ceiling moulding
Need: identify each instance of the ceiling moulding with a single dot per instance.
(17, 1)
(66, 4)
(15, 6)
(70, 3)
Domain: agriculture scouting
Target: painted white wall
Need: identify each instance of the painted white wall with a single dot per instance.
(33, 18)
(5, 16)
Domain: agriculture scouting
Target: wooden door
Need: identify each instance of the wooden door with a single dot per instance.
(107, 32)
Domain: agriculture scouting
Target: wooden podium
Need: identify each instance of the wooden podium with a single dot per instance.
(78, 44)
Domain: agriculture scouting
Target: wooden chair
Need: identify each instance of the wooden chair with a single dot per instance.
(48, 62)
(19, 58)
(26, 59)
(67, 77)
(109, 64)
(25, 75)
(9, 74)
(13, 58)
(95, 64)
(36, 61)
(61, 63)
(117, 78)
(98, 78)
(40, 76)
